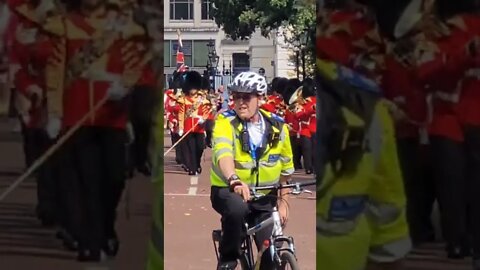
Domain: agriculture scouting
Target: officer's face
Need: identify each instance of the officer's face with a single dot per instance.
(246, 105)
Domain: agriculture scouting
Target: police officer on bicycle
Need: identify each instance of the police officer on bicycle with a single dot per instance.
(251, 148)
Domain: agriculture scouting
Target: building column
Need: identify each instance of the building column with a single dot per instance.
(197, 13)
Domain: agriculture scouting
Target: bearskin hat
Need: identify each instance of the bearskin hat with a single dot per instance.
(191, 80)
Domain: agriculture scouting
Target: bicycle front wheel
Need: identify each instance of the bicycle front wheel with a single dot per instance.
(288, 261)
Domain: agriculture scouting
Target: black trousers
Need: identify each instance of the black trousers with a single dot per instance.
(235, 212)
(472, 148)
(419, 188)
(208, 130)
(194, 144)
(142, 105)
(35, 143)
(96, 162)
(315, 161)
(296, 151)
(178, 149)
(448, 164)
(306, 145)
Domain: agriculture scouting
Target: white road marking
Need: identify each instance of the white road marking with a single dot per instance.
(194, 180)
(192, 191)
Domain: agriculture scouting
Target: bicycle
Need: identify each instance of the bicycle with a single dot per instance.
(281, 247)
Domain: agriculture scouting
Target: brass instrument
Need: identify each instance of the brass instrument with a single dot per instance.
(296, 100)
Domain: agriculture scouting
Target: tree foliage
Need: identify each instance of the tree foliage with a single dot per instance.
(241, 18)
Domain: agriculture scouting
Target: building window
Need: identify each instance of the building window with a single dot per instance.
(167, 55)
(207, 10)
(181, 9)
(195, 53)
(200, 53)
(241, 63)
(241, 60)
(187, 52)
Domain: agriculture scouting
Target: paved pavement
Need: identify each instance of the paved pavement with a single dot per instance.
(25, 245)
(190, 219)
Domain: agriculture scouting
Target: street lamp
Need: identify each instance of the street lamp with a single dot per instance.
(303, 44)
(296, 48)
(213, 58)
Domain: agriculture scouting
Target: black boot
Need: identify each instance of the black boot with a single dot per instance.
(88, 255)
(68, 240)
(455, 252)
(227, 265)
(111, 247)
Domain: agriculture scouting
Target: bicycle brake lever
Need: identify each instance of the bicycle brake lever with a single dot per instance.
(307, 191)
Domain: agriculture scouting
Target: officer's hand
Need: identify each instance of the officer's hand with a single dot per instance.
(241, 189)
(180, 133)
(283, 211)
(201, 120)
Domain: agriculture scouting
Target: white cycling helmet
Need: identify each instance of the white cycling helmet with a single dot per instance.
(249, 82)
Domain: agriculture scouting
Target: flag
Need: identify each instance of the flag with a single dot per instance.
(181, 67)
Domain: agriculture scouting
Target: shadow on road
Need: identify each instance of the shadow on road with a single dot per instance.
(22, 235)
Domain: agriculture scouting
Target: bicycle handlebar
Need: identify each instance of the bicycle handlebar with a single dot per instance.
(297, 188)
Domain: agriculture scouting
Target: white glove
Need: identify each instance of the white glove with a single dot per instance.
(180, 132)
(116, 91)
(201, 120)
(53, 127)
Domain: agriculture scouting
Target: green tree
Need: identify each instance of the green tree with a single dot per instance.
(241, 18)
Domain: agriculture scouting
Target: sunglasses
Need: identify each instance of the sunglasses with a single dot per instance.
(243, 96)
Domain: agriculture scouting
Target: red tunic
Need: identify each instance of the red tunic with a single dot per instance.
(32, 55)
(83, 94)
(469, 105)
(441, 72)
(293, 123)
(190, 111)
(401, 87)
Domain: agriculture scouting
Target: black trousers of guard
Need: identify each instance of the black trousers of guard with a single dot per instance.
(419, 188)
(208, 130)
(96, 163)
(35, 143)
(178, 149)
(194, 144)
(306, 146)
(448, 164)
(296, 151)
(472, 146)
(235, 212)
(142, 105)
(315, 161)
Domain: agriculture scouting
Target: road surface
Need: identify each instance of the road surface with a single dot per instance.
(25, 245)
(190, 219)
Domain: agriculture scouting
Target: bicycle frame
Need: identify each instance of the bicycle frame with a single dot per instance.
(276, 241)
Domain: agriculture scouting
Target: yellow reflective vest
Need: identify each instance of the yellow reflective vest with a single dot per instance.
(267, 167)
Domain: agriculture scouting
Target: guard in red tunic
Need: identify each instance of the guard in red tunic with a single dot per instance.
(308, 109)
(305, 140)
(441, 62)
(469, 114)
(107, 55)
(191, 118)
(39, 51)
